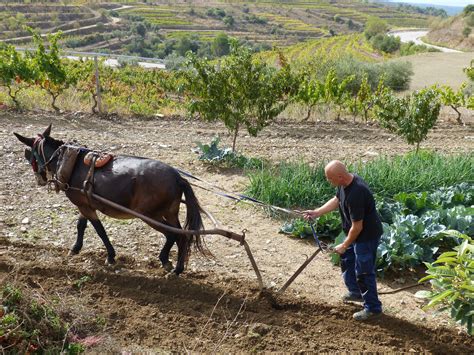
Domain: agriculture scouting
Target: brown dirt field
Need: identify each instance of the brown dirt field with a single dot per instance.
(215, 306)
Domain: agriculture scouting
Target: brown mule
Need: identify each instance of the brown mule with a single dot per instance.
(147, 186)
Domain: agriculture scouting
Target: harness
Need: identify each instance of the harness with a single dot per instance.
(37, 155)
(67, 155)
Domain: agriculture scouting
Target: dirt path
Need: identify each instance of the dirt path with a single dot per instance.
(416, 37)
(215, 305)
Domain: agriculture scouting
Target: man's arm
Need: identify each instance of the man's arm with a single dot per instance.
(329, 206)
(351, 237)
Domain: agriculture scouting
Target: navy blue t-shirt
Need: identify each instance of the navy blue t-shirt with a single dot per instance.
(356, 203)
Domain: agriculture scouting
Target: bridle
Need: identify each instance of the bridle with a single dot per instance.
(38, 157)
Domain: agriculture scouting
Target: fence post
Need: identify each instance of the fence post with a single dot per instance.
(97, 85)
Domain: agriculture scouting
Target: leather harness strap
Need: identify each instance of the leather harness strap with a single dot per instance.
(88, 184)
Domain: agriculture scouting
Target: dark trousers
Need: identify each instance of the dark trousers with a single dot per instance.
(358, 271)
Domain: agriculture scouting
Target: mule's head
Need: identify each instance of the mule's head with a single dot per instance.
(38, 152)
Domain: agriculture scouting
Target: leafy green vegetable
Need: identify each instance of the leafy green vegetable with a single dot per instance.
(211, 153)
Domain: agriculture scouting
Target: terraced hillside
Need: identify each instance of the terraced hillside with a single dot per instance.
(129, 27)
(44, 17)
(332, 47)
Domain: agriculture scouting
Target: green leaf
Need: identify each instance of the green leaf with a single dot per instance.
(448, 254)
(426, 278)
(445, 260)
(467, 287)
(439, 298)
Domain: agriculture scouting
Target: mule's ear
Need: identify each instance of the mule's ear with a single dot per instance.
(47, 132)
(28, 141)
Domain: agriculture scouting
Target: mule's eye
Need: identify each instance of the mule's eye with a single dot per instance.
(28, 154)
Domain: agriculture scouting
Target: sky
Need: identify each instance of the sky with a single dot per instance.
(439, 2)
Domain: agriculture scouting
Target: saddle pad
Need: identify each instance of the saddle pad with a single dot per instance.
(102, 159)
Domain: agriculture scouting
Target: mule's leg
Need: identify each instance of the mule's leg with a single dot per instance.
(99, 228)
(165, 252)
(184, 243)
(81, 227)
(91, 215)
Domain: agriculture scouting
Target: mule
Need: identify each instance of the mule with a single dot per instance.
(147, 186)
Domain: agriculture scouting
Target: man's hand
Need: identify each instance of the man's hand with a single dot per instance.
(340, 249)
(311, 214)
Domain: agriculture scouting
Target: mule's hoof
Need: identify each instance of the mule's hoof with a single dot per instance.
(167, 266)
(171, 276)
(177, 272)
(72, 252)
(110, 261)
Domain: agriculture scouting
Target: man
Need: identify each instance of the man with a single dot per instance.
(363, 229)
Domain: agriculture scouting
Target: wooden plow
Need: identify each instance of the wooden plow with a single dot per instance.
(216, 231)
(88, 191)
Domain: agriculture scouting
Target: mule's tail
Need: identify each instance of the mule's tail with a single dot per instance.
(193, 217)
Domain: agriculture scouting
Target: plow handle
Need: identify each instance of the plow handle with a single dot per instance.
(300, 269)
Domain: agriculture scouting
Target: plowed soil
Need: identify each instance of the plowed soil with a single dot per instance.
(215, 305)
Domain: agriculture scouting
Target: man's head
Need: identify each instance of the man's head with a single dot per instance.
(337, 174)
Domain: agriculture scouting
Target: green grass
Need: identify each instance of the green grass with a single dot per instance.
(300, 185)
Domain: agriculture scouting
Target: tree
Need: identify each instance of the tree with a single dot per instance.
(310, 92)
(186, 44)
(238, 91)
(53, 75)
(140, 29)
(335, 92)
(468, 10)
(16, 71)
(410, 117)
(220, 45)
(365, 98)
(454, 99)
(375, 26)
(87, 79)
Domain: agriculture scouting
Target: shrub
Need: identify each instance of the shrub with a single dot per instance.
(411, 48)
(397, 74)
(466, 31)
(385, 43)
(375, 26)
(229, 21)
(470, 20)
(451, 277)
